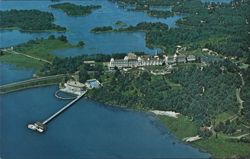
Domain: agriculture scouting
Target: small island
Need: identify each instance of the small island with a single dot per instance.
(75, 10)
(160, 14)
(29, 21)
(143, 26)
(120, 23)
(102, 29)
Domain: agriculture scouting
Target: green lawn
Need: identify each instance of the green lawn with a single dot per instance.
(223, 117)
(181, 127)
(43, 48)
(173, 85)
(21, 61)
(223, 148)
(39, 49)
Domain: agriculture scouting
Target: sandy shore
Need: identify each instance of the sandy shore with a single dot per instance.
(166, 113)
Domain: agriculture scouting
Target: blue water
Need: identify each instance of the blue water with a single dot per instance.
(79, 28)
(10, 73)
(86, 130)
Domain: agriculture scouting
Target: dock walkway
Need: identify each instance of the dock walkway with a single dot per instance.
(41, 126)
(62, 109)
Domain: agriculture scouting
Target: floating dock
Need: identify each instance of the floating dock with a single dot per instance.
(41, 126)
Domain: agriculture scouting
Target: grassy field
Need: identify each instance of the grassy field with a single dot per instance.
(43, 48)
(223, 148)
(223, 117)
(181, 127)
(39, 49)
(21, 61)
(173, 85)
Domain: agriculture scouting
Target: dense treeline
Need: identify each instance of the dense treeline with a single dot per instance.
(160, 14)
(223, 28)
(147, 26)
(202, 94)
(72, 64)
(102, 29)
(75, 10)
(143, 26)
(140, 3)
(28, 20)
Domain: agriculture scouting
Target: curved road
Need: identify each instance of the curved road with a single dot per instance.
(29, 56)
(30, 83)
(32, 80)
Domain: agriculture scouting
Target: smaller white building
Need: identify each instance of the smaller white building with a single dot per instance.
(74, 87)
(93, 83)
(191, 58)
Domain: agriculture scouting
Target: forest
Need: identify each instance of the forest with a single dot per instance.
(143, 26)
(28, 20)
(75, 10)
(199, 94)
(147, 27)
(160, 14)
(102, 29)
(221, 27)
(140, 3)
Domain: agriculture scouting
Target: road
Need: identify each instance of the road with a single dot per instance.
(32, 80)
(31, 83)
(238, 94)
(29, 56)
(238, 137)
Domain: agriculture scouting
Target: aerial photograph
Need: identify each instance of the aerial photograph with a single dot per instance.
(129, 79)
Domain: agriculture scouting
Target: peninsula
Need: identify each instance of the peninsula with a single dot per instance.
(36, 53)
(75, 10)
(29, 21)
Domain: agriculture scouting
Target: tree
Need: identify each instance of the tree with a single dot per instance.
(83, 74)
(63, 38)
(99, 67)
(51, 37)
(1, 53)
(145, 76)
(248, 60)
(80, 44)
(117, 72)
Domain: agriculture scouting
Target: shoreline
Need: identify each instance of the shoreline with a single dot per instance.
(173, 132)
(147, 113)
(32, 31)
(156, 119)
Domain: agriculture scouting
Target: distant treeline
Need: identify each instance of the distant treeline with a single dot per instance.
(143, 26)
(221, 27)
(160, 14)
(28, 20)
(75, 10)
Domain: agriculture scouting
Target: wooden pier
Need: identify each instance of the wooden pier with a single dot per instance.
(41, 126)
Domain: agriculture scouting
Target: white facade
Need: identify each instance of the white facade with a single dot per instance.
(130, 61)
(74, 87)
